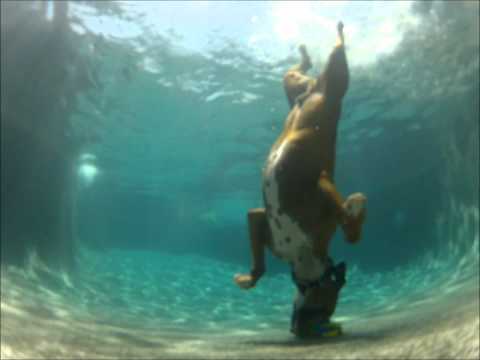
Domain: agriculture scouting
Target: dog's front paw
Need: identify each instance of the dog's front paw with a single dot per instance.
(244, 281)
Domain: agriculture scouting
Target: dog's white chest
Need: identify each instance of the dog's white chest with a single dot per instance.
(289, 241)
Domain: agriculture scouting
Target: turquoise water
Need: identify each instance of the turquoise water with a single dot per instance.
(133, 140)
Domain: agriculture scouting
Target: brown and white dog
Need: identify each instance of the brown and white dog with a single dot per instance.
(302, 206)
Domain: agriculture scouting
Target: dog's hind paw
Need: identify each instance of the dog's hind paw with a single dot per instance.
(355, 204)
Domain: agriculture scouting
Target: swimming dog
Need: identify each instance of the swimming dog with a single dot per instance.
(302, 205)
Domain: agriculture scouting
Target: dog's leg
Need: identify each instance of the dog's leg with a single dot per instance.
(356, 213)
(295, 82)
(350, 213)
(305, 62)
(333, 82)
(328, 188)
(259, 237)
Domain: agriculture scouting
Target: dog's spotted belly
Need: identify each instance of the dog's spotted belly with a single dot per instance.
(289, 241)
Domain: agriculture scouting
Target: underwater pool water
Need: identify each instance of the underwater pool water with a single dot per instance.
(133, 138)
(147, 305)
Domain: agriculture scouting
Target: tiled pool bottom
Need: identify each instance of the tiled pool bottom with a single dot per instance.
(146, 305)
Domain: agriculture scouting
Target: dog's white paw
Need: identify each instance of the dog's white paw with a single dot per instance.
(355, 204)
(244, 281)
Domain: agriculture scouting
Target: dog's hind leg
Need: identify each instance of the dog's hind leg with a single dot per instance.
(333, 82)
(356, 214)
(259, 233)
(295, 82)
